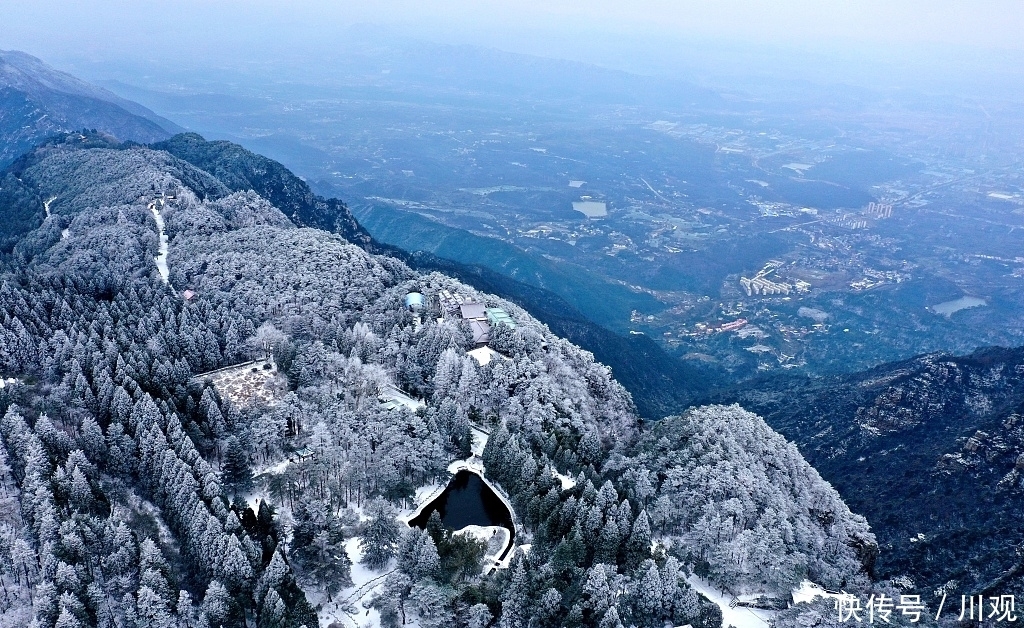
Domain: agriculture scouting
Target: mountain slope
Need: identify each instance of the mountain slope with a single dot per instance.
(659, 384)
(28, 202)
(242, 170)
(133, 464)
(37, 101)
(930, 450)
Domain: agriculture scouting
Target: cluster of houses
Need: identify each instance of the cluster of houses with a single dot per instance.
(481, 319)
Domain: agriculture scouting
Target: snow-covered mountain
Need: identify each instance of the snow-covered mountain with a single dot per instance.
(37, 101)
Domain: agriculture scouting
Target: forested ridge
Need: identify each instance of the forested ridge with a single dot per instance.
(131, 485)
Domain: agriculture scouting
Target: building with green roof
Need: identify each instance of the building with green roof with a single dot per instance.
(498, 316)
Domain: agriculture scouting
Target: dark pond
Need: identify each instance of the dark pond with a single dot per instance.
(468, 501)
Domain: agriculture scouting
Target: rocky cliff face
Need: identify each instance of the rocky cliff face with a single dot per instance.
(931, 450)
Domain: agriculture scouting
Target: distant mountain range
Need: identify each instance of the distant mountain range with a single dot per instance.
(37, 101)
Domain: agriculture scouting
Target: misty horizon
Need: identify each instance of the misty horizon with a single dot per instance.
(941, 47)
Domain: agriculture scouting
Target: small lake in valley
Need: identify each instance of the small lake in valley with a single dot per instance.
(591, 209)
(468, 501)
(949, 307)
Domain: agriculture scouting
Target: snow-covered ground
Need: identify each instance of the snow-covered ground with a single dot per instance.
(392, 393)
(248, 382)
(275, 469)
(496, 538)
(473, 464)
(484, 355)
(424, 495)
(808, 591)
(350, 608)
(567, 482)
(161, 259)
(479, 441)
(480, 533)
(739, 616)
(46, 207)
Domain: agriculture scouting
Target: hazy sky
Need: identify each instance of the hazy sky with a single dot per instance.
(996, 23)
(603, 31)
